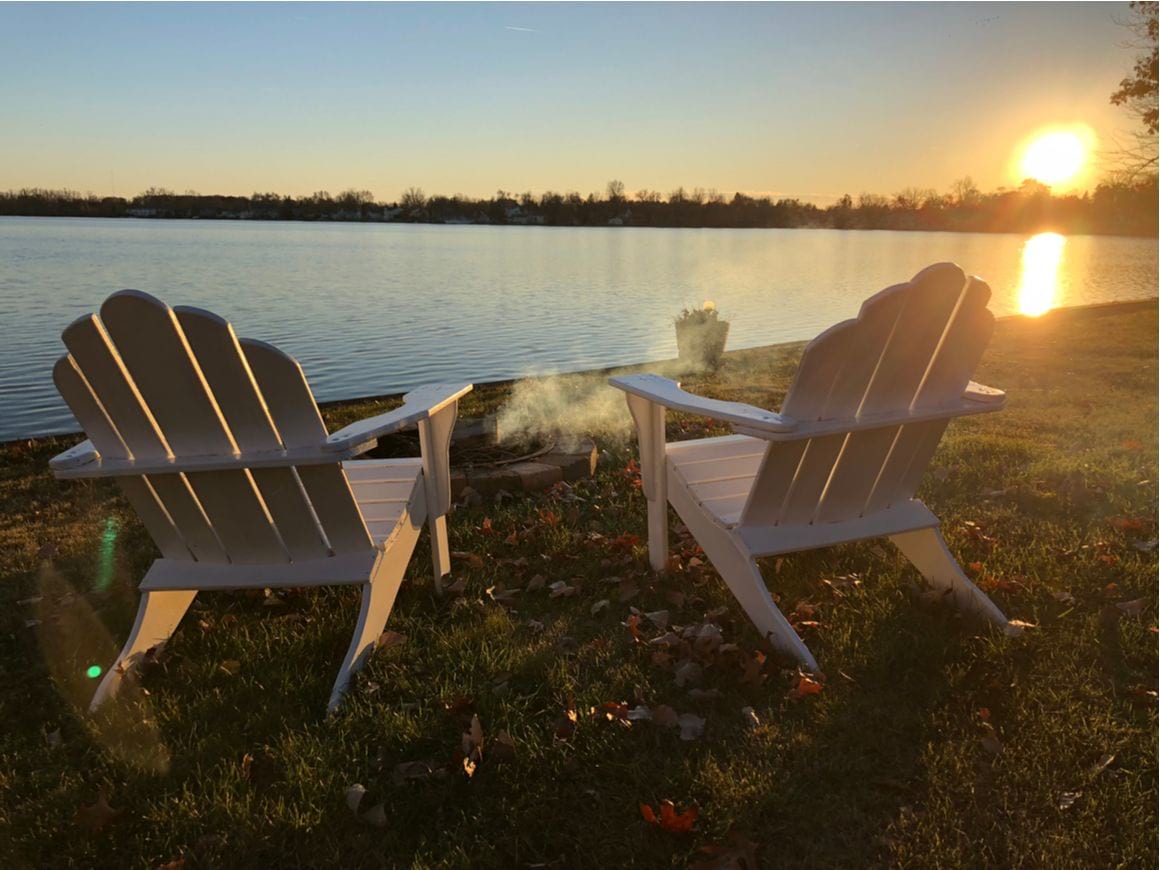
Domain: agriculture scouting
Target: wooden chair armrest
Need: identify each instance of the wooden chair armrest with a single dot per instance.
(666, 392)
(984, 395)
(418, 405)
(75, 457)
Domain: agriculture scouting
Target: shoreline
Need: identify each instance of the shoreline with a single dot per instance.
(1046, 228)
(1094, 309)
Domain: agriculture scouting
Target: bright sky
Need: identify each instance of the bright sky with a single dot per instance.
(811, 100)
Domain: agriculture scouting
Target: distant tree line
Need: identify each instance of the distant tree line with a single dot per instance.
(1125, 206)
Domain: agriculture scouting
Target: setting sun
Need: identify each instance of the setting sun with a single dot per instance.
(1055, 156)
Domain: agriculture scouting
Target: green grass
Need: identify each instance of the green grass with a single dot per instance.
(892, 764)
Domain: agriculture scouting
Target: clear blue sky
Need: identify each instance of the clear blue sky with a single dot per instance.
(803, 99)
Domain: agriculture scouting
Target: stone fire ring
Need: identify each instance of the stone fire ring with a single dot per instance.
(534, 474)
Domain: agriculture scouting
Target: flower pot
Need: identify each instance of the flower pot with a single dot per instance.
(700, 344)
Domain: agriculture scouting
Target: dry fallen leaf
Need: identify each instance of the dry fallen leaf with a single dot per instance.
(739, 854)
(414, 770)
(390, 639)
(688, 673)
(354, 796)
(1019, 623)
(457, 587)
(750, 717)
(598, 606)
(98, 815)
(537, 582)
(503, 748)
(805, 685)
(561, 589)
(472, 559)
(1068, 798)
(692, 726)
(665, 716)
(669, 819)
(1135, 607)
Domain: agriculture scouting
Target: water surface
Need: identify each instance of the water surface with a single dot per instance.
(370, 309)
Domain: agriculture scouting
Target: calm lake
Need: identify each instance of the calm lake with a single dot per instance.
(370, 309)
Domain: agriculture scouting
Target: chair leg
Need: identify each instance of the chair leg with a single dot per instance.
(927, 551)
(740, 572)
(440, 549)
(158, 615)
(658, 533)
(378, 597)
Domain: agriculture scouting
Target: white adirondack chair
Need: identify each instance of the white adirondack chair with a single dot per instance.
(219, 447)
(841, 462)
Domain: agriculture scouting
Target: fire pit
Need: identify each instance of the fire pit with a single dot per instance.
(482, 459)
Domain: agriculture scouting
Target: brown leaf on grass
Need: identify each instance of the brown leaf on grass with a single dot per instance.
(1127, 524)
(633, 626)
(739, 854)
(750, 717)
(1068, 799)
(627, 591)
(1131, 444)
(457, 587)
(566, 724)
(675, 597)
(537, 582)
(665, 716)
(415, 771)
(1135, 607)
(1021, 624)
(692, 726)
(376, 816)
(598, 606)
(751, 669)
(472, 739)
(707, 639)
(1143, 696)
(991, 743)
(473, 560)
(389, 639)
(612, 711)
(503, 748)
(659, 618)
(231, 666)
(501, 595)
(804, 685)
(688, 672)
(625, 541)
(560, 589)
(100, 814)
(640, 713)
(669, 819)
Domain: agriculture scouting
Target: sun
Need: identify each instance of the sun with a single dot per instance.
(1055, 156)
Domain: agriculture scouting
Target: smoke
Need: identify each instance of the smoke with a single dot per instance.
(569, 407)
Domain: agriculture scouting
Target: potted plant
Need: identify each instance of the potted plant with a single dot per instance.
(701, 337)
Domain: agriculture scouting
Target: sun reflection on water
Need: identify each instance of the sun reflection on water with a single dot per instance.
(1039, 274)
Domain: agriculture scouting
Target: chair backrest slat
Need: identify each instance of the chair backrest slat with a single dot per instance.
(292, 512)
(227, 371)
(912, 346)
(87, 408)
(154, 351)
(179, 500)
(89, 345)
(147, 382)
(224, 366)
(295, 414)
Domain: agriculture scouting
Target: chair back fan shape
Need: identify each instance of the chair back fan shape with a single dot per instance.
(219, 446)
(841, 462)
(913, 347)
(148, 382)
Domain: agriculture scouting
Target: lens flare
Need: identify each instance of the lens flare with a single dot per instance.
(93, 672)
(1039, 278)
